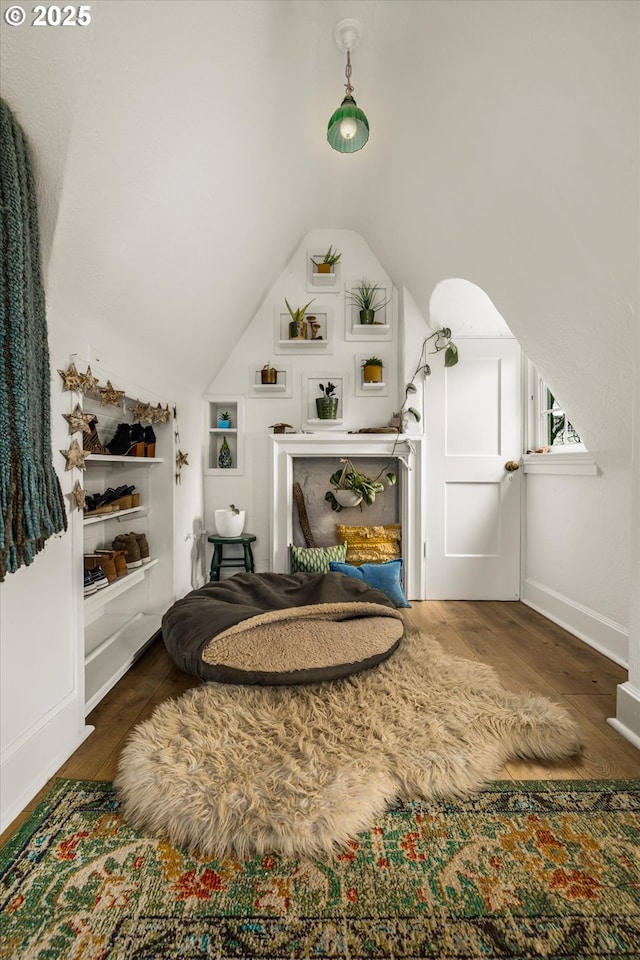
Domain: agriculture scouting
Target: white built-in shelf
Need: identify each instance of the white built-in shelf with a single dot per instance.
(368, 331)
(223, 429)
(270, 387)
(303, 346)
(325, 423)
(113, 643)
(374, 385)
(110, 516)
(134, 461)
(134, 576)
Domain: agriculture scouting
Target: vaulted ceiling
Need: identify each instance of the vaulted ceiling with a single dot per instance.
(182, 156)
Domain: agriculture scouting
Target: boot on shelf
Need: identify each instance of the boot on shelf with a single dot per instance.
(91, 441)
(137, 441)
(149, 442)
(129, 546)
(112, 559)
(143, 546)
(120, 443)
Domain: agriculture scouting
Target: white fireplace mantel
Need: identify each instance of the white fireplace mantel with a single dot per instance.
(409, 454)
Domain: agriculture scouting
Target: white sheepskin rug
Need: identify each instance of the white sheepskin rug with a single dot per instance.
(300, 770)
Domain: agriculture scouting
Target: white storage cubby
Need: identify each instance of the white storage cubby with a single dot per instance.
(321, 344)
(311, 390)
(322, 281)
(215, 435)
(379, 389)
(120, 620)
(382, 327)
(281, 389)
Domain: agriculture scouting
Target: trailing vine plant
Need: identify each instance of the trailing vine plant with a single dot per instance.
(444, 342)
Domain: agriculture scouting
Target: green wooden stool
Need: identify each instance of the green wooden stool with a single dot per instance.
(217, 560)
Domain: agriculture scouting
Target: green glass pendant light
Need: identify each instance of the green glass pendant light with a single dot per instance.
(348, 128)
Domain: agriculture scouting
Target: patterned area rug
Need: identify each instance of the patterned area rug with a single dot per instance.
(528, 869)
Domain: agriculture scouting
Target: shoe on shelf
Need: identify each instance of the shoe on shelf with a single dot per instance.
(116, 557)
(92, 441)
(120, 443)
(137, 441)
(129, 545)
(93, 505)
(143, 546)
(99, 578)
(107, 564)
(125, 499)
(135, 499)
(89, 586)
(149, 442)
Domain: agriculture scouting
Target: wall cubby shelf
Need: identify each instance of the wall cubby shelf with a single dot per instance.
(381, 329)
(322, 281)
(283, 388)
(117, 622)
(215, 435)
(323, 343)
(311, 390)
(363, 389)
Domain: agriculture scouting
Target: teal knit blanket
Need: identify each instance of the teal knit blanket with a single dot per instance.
(31, 504)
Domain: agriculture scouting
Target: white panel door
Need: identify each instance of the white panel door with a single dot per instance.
(473, 423)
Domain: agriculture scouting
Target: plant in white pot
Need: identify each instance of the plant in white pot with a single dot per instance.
(230, 521)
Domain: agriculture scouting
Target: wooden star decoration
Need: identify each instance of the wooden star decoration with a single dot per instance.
(140, 412)
(79, 496)
(109, 395)
(75, 456)
(72, 380)
(160, 414)
(181, 460)
(88, 383)
(78, 420)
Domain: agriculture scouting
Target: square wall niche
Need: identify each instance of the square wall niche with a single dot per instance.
(319, 338)
(311, 391)
(382, 327)
(376, 389)
(281, 389)
(322, 281)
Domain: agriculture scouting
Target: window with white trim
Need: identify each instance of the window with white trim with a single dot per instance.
(553, 444)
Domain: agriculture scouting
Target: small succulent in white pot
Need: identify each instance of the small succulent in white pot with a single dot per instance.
(230, 521)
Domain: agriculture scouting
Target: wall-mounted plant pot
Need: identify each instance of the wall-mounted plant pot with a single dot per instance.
(372, 373)
(347, 498)
(323, 268)
(224, 424)
(269, 375)
(366, 316)
(297, 330)
(228, 523)
(327, 408)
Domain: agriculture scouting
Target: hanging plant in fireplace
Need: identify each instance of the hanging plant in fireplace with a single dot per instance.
(352, 488)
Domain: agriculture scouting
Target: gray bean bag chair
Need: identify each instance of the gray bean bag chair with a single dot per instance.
(273, 628)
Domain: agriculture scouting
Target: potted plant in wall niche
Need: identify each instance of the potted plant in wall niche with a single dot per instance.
(230, 521)
(372, 370)
(298, 324)
(327, 404)
(328, 261)
(224, 420)
(352, 488)
(368, 298)
(268, 374)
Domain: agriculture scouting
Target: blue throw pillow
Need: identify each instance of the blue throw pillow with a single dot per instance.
(386, 577)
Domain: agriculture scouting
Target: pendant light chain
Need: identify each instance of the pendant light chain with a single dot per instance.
(347, 74)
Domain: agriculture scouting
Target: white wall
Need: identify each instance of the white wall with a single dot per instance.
(256, 346)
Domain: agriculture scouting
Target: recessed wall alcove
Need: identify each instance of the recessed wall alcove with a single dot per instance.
(407, 461)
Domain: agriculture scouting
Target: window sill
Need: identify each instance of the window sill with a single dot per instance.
(559, 463)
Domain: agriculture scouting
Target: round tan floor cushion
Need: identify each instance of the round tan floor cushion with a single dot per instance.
(271, 628)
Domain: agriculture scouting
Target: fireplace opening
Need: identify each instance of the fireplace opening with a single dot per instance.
(313, 473)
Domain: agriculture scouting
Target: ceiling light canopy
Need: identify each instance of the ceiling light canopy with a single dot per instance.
(348, 128)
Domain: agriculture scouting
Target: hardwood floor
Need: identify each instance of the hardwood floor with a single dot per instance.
(528, 651)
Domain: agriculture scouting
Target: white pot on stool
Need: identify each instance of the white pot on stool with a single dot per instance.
(228, 523)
